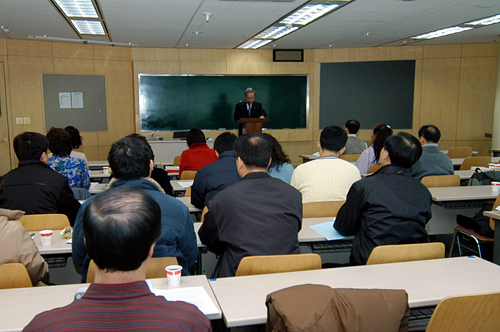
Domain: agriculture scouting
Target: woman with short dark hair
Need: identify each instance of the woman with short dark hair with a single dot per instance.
(74, 169)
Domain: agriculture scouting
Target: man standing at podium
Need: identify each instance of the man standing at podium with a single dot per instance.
(249, 108)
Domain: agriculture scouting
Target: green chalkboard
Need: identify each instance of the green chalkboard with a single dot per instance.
(179, 102)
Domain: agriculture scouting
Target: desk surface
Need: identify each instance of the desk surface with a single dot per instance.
(443, 194)
(176, 184)
(58, 246)
(426, 282)
(459, 161)
(19, 306)
(187, 202)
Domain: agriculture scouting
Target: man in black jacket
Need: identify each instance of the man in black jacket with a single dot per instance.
(388, 207)
(248, 108)
(33, 186)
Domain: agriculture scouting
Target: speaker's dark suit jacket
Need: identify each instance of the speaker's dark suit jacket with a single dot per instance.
(241, 110)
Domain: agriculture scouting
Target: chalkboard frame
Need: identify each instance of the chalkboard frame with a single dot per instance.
(300, 118)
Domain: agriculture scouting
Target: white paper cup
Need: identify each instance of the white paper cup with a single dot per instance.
(105, 170)
(46, 237)
(495, 186)
(173, 274)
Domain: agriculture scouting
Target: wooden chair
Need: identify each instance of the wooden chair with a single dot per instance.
(406, 253)
(14, 275)
(465, 237)
(460, 152)
(441, 181)
(351, 157)
(470, 162)
(188, 192)
(155, 268)
(177, 160)
(374, 168)
(477, 312)
(39, 222)
(205, 211)
(321, 209)
(252, 265)
(188, 175)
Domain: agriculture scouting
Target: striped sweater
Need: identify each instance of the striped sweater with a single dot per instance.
(121, 307)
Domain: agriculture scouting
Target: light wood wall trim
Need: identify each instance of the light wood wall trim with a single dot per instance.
(367, 54)
(442, 51)
(331, 55)
(404, 53)
(29, 48)
(202, 55)
(155, 54)
(3, 46)
(480, 50)
(73, 51)
(112, 53)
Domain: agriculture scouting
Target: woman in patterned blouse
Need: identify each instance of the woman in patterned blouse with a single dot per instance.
(74, 169)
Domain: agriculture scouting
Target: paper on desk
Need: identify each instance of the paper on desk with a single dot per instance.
(171, 168)
(185, 183)
(326, 229)
(194, 295)
(93, 185)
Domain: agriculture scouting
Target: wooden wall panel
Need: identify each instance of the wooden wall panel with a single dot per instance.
(404, 53)
(483, 147)
(442, 51)
(3, 46)
(202, 55)
(472, 50)
(29, 48)
(440, 87)
(248, 56)
(26, 94)
(477, 97)
(112, 53)
(367, 54)
(155, 54)
(332, 55)
(73, 51)
(243, 68)
(66, 66)
(205, 68)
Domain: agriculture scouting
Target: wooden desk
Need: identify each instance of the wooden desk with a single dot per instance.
(178, 188)
(187, 202)
(496, 245)
(98, 188)
(450, 201)
(426, 282)
(98, 164)
(308, 157)
(19, 306)
(58, 246)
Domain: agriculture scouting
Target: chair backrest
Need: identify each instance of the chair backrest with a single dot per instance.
(177, 160)
(477, 312)
(374, 168)
(495, 205)
(406, 252)
(252, 265)
(351, 157)
(188, 192)
(39, 222)
(205, 210)
(321, 209)
(441, 181)
(14, 275)
(469, 162)
(188, 175)
(155, 268)
(460, 152)
(80, 193)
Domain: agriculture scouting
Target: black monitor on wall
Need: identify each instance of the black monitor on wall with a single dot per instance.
(370, 92)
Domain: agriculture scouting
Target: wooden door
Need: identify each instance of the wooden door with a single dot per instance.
(4, 126)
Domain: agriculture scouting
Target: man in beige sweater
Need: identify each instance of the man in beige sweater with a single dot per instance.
(327, 178)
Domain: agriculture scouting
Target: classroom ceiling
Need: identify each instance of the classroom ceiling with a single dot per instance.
(174, 23)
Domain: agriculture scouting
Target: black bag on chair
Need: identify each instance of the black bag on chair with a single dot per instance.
(479, 223)
(480, 178)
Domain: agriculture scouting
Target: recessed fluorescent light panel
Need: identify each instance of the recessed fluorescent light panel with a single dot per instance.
(77, 8)
(308, 13)
(442, 32)
(85, 27)
(255, 43)
(276, 32)
(313, 10)
(486, 21)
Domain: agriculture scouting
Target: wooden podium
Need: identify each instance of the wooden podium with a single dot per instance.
(250, 125)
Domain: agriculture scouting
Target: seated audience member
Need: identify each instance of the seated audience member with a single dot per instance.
(432, 161)
(121, 227)
(389, 206)
(131, 162)
(218, 175)
(198, 155)
(74, 169)
(371, 156)
(157, 174)
(16, 245)
(33, 187)
(259, 215)
(281, 167)
(327, 178)
(76, 142)
(354, 144)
